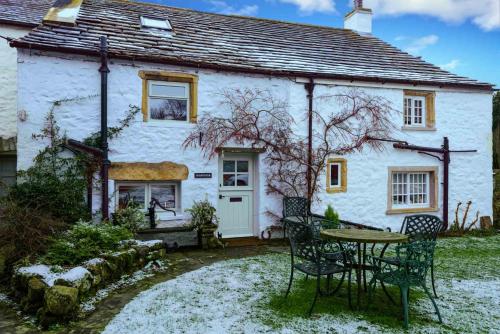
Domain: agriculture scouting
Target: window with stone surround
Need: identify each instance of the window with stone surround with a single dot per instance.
(336, 175)
(167, 193)
(418, 110)
(169, 97)
(412, 189)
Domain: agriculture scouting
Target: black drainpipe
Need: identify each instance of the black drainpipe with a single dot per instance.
(104, 70)
(310, 96)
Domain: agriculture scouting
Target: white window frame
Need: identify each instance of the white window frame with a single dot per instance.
(147, 195)
(149, 22)
(407, 187)
(339, 166)
(186, 85)
(237, 158)
(409, 111)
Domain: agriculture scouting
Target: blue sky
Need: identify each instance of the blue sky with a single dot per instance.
(462, 36)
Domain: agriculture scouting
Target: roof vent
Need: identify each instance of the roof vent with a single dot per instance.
(148, 22)
(63, 12)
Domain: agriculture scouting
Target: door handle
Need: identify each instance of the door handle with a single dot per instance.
(221, 197)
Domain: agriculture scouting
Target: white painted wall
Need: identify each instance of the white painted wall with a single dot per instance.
(8, 80)
(465, 117)
(360, 20)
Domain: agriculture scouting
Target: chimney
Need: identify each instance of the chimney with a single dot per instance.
(359, 19)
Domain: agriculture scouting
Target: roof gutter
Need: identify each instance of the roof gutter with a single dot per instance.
(96, 53)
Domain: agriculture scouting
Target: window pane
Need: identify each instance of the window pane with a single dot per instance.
(127, 193)
(334, 175)
(242, 180)
(228, 166)
(168, 109)
(228, 180)
(407, 111)
(243, 166)
(165, 194)
(168, 91)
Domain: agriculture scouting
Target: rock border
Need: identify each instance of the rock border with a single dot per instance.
(54, 294)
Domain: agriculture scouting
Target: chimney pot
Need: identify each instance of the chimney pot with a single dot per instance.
(358, 4)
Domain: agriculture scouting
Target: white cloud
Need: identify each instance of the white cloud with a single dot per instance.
(311, 6)
(484, 13)
(416, 45)
(222, 7)
(453, 64)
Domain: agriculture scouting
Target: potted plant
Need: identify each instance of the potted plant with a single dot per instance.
(331, 217)
(204, 220)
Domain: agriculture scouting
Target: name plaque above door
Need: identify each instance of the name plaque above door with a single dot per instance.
(202, 175)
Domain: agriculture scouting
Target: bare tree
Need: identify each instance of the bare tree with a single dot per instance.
(260, 120)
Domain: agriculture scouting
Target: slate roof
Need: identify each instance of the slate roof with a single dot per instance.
(28, 13)
(238, 43)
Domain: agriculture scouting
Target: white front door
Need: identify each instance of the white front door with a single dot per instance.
(236, 196)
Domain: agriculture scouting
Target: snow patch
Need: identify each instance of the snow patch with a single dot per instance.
(49, 277)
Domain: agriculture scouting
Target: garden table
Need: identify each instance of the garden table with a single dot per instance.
(359, 237)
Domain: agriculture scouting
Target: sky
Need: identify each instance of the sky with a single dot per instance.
(461, 36)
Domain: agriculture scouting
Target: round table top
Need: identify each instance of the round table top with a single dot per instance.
(364, 236)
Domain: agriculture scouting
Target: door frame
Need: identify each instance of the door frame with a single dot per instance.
(251, 188)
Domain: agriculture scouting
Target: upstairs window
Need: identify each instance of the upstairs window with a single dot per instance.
(168, 101)
(414, 111)
(418, 110)
(169, 97)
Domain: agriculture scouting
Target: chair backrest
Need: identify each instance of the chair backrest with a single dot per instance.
(421, 227)
(416, 258)
(302, 241)
(294, 206)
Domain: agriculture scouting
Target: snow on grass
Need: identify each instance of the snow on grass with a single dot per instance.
(239, 296)
(149, 270)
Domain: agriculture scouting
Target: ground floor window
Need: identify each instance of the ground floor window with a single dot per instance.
(167, 193)
(336, 175)
(412, 189)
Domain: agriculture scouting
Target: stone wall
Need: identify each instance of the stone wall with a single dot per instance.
(54, 296)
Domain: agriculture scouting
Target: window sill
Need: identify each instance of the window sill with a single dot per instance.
(169, 124)
(410, 210)
(415, 128)
(336, 190)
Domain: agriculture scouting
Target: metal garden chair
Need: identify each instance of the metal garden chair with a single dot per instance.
(308, 257)
(413, 261)
(421, 227)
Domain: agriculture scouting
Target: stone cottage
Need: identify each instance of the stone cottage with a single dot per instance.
(162, 56)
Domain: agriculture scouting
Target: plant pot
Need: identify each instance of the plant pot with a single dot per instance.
(207, 232)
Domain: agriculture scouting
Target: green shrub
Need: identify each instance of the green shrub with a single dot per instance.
(202, 213)
(130, 217)
(332, 216)
(25, 231)
(85, 241)
(55, 183)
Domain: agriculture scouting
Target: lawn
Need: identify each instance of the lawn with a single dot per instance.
(246, 296)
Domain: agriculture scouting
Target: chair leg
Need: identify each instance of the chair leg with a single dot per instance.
(432, 280)
(289, 283)
(307, 277)
(387, 293)
(433, 303)
(318, 280)
(404, 297)
(328, 281)
(338, 285)
(349, 297)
